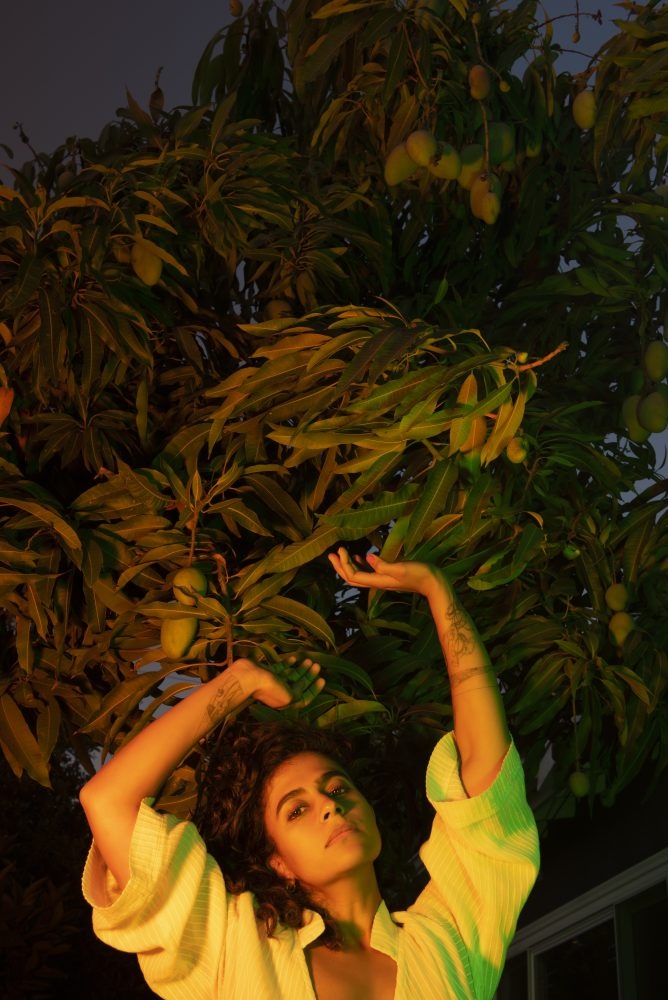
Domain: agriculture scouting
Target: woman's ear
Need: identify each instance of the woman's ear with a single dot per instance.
(278, 864)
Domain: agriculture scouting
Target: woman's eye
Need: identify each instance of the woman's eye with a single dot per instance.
(296, 812)
(338, 790)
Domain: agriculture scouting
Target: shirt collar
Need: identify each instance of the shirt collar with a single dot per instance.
(384, 932)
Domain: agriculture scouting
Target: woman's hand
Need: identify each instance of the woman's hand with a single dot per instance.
(294, 683)
(412, 577)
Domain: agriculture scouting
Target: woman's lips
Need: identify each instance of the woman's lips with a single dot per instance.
(339, 832)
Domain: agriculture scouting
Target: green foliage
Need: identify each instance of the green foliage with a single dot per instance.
(185, 420)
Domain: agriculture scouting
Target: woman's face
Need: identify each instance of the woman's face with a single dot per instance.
(322, 826)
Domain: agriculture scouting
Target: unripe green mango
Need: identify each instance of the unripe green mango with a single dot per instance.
(399, 166)
(189, 578)
(177, 636)
(655, 360)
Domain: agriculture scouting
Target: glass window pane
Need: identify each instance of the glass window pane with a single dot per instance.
(642, 933)
(582, 968)
(514, 984)
(650, 933)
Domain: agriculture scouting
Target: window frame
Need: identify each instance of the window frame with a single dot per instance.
(587, 910)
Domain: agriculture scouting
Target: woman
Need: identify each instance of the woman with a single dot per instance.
(157, 891)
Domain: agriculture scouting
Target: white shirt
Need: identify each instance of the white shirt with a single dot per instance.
(196, 941)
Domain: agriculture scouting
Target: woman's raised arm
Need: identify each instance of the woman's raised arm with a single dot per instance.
(111, 799)
(481, 730)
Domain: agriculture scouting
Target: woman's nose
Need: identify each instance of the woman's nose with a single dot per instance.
(331, 808)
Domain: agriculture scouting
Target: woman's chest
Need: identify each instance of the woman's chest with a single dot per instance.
(343, 976)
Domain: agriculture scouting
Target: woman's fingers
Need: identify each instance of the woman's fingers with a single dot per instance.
(380, 577)
(301, 677)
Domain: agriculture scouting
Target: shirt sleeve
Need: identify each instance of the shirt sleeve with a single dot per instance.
(482, 857)
(174, 910)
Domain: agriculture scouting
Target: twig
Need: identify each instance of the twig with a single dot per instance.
(548, 357)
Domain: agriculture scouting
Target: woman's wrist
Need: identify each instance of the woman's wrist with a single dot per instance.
(228, 691)
(437, 586)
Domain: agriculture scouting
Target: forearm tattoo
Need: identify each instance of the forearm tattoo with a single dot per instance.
(227, 697)
(459, 640)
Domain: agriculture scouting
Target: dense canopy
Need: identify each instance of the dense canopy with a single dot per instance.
(228, 342)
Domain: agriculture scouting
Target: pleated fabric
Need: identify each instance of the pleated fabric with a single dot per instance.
(196, 941)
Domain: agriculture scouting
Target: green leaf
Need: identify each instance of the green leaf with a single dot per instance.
(292, 556)
(646, 106)
(326, 48)
(477, 502)
(497, 578)
(27, 282)
(46, 516)
(383, 510)
(17, 558)
(48, 727)
(348, 710)
(335, 7)
(508, 422)
(635, 682)
(396, 68)
(439, 482)
(308, 619)
(276, 498)
(188, 122)
(16, 734)
(111, 597)
(123, 697)
(635, 548)
(52, 339)
(239, 513)
(36, 611)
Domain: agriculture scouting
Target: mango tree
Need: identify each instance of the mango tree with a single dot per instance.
(240, 333)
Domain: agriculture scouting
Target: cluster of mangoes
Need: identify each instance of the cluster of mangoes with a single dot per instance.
(621, 623)
(178, 634)
(645, 410)
(468, 166)
(421, 149)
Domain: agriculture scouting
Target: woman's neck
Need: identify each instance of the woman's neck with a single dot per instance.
(353, 904)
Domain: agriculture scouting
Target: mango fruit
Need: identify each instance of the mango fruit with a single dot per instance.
(655, 360)
(146, 265)
(620, 626)
(482, 185)
(447, 162)
(421, 147)
(399, 166)
(189, 578)
(177, 636)
(616, 597)
(584, 109)
(501, 142)
(652, 412)
(473, 159)
(578, 782)
(480, 82)
(634, 429)
(491, 208)
(516, 450)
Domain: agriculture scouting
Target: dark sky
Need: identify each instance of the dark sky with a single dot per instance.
(65, 66)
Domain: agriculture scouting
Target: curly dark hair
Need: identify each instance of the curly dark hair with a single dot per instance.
(229, 813)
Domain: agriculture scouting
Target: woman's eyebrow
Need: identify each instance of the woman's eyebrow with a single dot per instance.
(325, 776)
